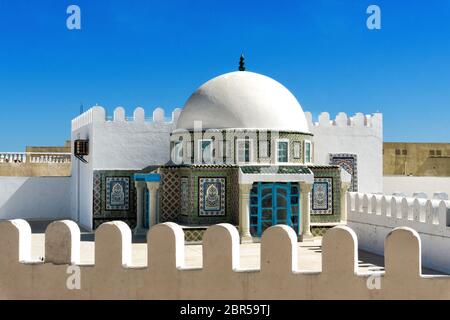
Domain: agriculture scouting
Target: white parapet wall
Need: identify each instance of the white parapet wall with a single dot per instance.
(121, 142)
(113, 276)
(116, 142)
(35, 198)
(410, 185)
(360, 135)
(373, 216)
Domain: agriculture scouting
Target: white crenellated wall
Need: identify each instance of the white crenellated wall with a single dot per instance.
(131, 143)
(116, 142)
(359, 134)
(411, 185)
(373, 216)
(166, 277)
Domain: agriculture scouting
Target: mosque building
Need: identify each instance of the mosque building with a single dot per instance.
(240, 151)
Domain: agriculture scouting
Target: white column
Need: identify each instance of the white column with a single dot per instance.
(152, 205)
(244, 212)
(344, 206)
(305, 195)
(140, 187)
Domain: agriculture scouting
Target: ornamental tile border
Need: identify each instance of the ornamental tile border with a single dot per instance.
(349, 162)
(214, 191)
(322, 200)
(122, 199)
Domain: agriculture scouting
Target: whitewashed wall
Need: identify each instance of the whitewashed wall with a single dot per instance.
(411, 185)
(83, 173)
(361, 135)
(373, 217)
(116, 143)
(36, 198)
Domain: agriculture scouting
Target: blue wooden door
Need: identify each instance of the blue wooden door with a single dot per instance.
(274, 203)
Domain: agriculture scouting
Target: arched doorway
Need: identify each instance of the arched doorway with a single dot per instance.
(274, 203)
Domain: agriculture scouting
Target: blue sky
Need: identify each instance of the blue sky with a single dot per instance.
(156, 53)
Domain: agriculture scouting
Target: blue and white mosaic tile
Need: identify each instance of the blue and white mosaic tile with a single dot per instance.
(117, 193)
(322, 196)
(349, 162)
(212, 193)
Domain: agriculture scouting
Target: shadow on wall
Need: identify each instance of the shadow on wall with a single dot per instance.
(34, 198)
(438, 167)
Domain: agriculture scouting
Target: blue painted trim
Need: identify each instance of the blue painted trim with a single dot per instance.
(147, 177)
(292, 210)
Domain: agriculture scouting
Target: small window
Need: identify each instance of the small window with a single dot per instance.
(404, 152)
(297, 150)
(308, 148)
(177, 155)
(243, 151)
(432, 153)
(397, 152)
(439, 153)
(205, 151)
(282, 151)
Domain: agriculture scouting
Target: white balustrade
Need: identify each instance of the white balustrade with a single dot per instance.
(35, 157)
(424, 215)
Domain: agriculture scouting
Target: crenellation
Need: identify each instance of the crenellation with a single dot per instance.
(279, 250)
(139, 115)
(113, 245)
(114, 277)
(403, 254)
(340, 252)
(342, 120)
(165, 241)
(324, 119)
(158, 115)
(15, 244)
(221, 248)
(62, 243)
(119, 114)
(98, 114)
(420, 210)
(429, 217)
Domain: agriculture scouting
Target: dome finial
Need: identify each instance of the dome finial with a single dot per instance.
(242, 63)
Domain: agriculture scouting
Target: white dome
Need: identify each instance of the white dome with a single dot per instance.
(243, 100)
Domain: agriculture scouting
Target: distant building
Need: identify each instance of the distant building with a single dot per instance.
(416, 159)
(46, 149)
(37, 161)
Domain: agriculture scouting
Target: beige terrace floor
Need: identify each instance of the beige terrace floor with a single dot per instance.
(309, 253)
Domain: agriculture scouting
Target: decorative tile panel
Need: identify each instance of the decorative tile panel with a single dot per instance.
(212, 194)
(169, 196)
(117, 193)
(334, 173)
(322, 196)
(349, 162)
(111, 203)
